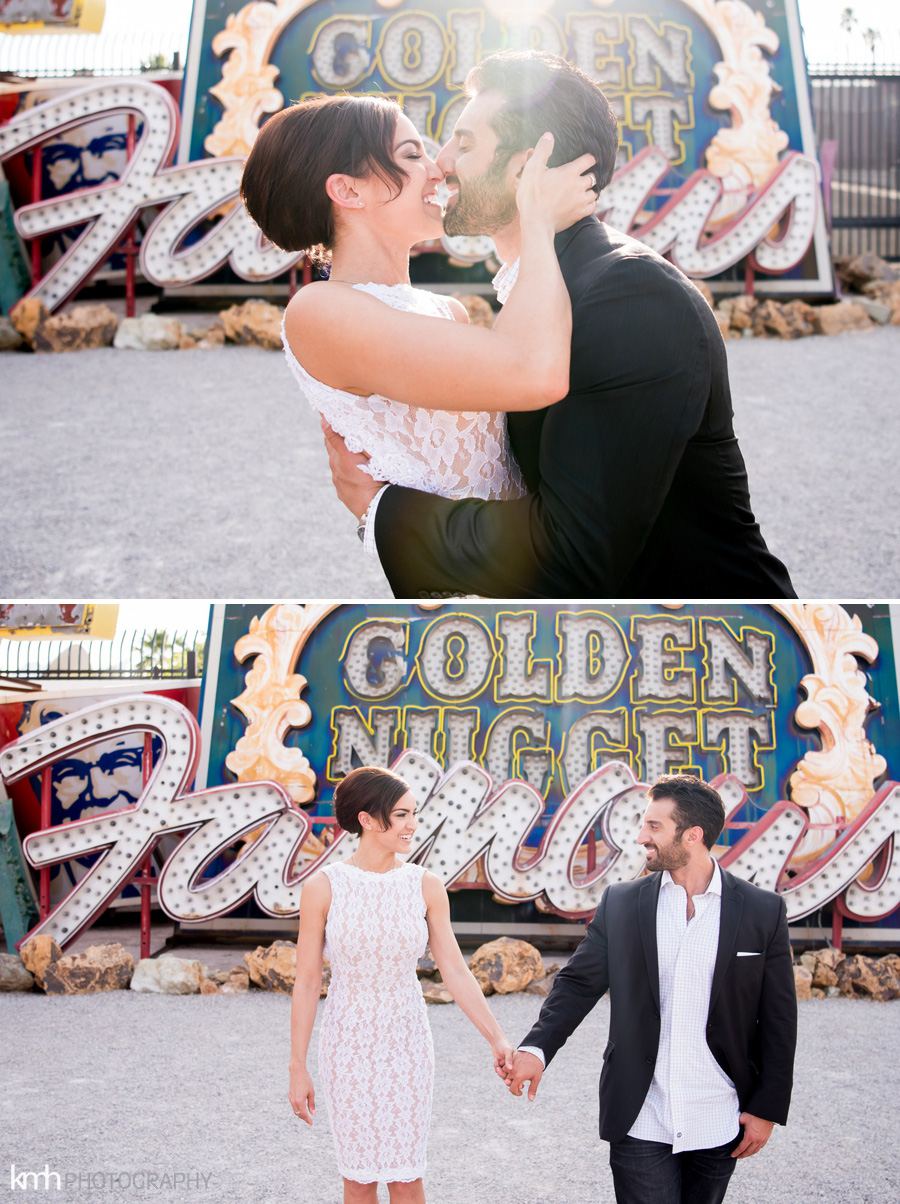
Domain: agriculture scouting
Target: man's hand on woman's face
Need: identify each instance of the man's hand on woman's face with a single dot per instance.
(354, 488)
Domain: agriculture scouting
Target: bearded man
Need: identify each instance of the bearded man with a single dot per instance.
(636, 476)
(698, 1068)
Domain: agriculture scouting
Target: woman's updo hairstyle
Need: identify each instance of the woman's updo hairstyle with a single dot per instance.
(370, 789)
(283, 184)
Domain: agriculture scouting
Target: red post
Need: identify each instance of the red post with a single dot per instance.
(591, 851)
(292, 281)
(307, 271)
(837, 926)
(130, 245)
(36, 270)
(146, 876)
(44, 879)
(749, 278)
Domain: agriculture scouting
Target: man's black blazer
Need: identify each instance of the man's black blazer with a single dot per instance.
(752, 1021)
(636, 476)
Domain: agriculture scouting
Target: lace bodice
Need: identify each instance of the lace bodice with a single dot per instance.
(376, 1057)
(454, 454)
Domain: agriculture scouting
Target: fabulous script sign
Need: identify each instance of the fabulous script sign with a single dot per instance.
(707, 194)
(477, 812)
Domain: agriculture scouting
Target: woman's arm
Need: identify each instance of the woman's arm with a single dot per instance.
(457, 976)
(352, 341)
(315, 900)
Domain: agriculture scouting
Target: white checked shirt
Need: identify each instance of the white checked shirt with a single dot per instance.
(692, 1103)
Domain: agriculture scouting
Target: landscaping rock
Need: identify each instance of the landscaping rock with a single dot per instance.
(84, 328)
(10, 339)
(724, 321)
(203, 338)
(859, 270)
(167, 975)
(149, 332)
(479, 310)
(704, 290)
(437, 995)
(253, 324)
(803, 982)
(892, 961)
(860, 975)
(803, 313)
(824, 971)
(742, 312)
(426, 967)
(13, 974)
(541, 986)
(506, 965)
(844, 316)
(39, 953)
(878, 311)
(98, 968)
(226, 982)
(273, 967)
(26, 315)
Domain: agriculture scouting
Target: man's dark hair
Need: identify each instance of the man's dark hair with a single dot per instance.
(696, 804)
(371, 789)
(546, 93)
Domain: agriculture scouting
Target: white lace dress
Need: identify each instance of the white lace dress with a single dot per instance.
(376, 1059)
(454, 454)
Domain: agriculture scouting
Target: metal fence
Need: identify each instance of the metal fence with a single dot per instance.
(58, 56)
(859, 109)
(142, 654)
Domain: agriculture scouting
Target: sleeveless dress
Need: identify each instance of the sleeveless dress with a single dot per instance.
(456, 454)
(376, 1059)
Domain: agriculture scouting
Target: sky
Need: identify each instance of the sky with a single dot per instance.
(155, 614)
(824, 38)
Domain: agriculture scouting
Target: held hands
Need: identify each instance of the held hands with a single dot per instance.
(302, 1095)
(559, 196)
(503, 1057)
(526, 1069)
(756, 1133)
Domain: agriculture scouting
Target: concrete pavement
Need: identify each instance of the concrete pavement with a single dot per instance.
(119, 1083)
(202, 473)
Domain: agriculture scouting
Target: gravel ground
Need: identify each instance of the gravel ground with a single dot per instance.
(118, 1083)
(202, 474)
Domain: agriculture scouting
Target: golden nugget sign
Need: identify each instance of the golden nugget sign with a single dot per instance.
(833, 839)
(717, 163)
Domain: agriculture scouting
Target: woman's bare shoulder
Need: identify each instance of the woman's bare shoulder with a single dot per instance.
(317, 890)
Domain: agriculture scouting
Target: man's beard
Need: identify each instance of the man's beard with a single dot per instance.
(669, 857)
(483, 205)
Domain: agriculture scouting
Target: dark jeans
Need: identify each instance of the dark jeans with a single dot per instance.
(647, 1172)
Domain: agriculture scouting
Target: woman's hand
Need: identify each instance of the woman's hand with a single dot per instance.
(302, 1094)
(503, 1057)
(557, 196)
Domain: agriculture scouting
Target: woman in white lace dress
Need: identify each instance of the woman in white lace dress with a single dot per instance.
(372, 916)
(423, 396)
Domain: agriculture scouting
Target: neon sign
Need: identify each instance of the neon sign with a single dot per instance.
(465, 818)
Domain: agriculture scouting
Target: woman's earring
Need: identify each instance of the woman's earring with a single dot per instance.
(360, 204)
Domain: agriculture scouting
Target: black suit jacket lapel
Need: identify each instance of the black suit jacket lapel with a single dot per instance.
(647, 902)
(729, 922)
